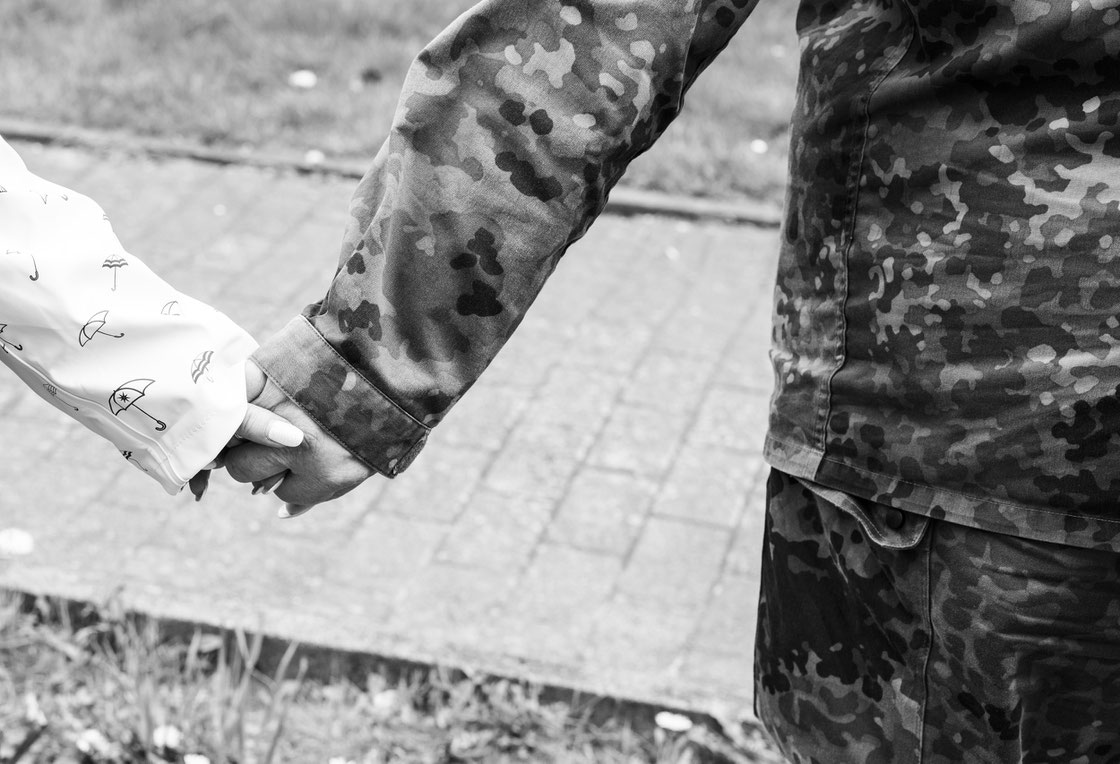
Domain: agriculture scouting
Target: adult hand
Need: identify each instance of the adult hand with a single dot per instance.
(259, 426)
(318, 469)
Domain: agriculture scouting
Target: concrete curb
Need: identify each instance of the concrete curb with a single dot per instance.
(623, 201)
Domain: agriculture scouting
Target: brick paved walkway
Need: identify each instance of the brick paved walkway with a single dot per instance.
(588, 516)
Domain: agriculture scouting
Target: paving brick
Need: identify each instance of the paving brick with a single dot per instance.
(139, 201)
(729, 673)
(438, 484)
(744, 556)
(482, 420)
(640, 636)
(600, 345)
(640, 440)
(446, 605)
(603, 511)
(733, 418)
(675, 563)
(496, 531)
(282, 204)
(525, 361)
(381, 557)
(707, 484)
(693, 332)
(664, 382)
(746, 362)
(276, 286)
(729, 617)
(563, 585)
(569, 410)
(532, 468)
(554, 646)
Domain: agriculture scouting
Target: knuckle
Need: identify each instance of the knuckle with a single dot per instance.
(238, 471)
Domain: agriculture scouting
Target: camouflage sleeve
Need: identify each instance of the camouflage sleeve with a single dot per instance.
(512, 127)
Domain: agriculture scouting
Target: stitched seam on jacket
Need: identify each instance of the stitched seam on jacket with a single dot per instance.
(854, 175)
(325, 427)
(363, 377)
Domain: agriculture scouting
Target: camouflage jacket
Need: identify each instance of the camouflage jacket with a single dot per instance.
(945, 317)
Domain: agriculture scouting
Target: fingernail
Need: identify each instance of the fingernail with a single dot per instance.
(212, 465)
(285, 434)
(270, 487)
(291, 510)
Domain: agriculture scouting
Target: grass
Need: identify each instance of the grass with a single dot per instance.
(216, 72)
(86, 686)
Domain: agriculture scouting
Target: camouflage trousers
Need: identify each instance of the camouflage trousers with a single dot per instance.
(886, 637)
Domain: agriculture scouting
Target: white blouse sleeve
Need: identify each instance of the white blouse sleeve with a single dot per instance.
(98, 335)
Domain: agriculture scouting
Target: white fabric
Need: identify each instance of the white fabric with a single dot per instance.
(97, 334)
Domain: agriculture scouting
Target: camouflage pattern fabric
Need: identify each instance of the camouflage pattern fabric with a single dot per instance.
(513, 126)
(946, 334)
(886, 637)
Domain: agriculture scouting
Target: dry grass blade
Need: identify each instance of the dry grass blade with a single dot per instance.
(285, 705)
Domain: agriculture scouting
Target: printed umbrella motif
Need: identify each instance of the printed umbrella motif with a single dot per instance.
(5, 343)
(171, 308)
(201, 365)
(54, 394)
(34, 276)
(129, 457)
(124, 398)
(93, 327)
(114, 263)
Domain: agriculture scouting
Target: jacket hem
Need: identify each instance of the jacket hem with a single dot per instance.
(981, 512)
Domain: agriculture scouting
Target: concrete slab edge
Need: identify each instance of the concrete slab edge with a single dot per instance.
(382, 647)
(623, 200)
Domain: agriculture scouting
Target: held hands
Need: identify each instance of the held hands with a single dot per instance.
(259, 426)
(302, 473)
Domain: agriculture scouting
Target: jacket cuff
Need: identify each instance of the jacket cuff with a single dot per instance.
(319, 380)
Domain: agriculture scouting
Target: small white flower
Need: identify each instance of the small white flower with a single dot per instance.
(195, 758)
(15, 542)
(304, 79)
(32, 712)
(386, 702)
(93, 743)
(314, 156)
(759, 146)
(671, 722)
(166, 736)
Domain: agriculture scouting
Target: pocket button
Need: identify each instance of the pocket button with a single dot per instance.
(895, 519)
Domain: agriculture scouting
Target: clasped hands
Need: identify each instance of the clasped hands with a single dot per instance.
(280, 449)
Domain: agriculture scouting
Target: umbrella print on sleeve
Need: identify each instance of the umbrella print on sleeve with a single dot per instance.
(5, 344)
(35, 266)
(201, 366)
(94, 326)
(171, 308)
(114, 263)
(129, 457)
(54, 394)
(124, 398)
